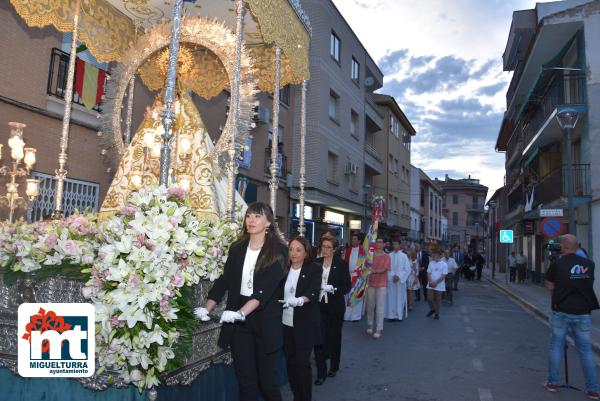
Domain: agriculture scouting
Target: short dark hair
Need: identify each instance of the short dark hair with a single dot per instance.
(333, 241)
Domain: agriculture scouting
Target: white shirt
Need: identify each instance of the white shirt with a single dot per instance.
(437, 270)
(324, 280)
(452, 266)
(353, 259)
(289, 291)
(247, 287)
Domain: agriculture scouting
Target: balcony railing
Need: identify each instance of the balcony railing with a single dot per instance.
(281, 163)
(370, 149)
(554, 185)
(57, 77)
(562, 90)
(514, 147)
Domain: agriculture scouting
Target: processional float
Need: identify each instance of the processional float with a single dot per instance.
(175, 47)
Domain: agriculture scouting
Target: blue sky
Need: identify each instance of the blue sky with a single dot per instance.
(442, 61)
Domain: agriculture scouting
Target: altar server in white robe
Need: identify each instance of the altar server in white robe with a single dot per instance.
(395, 307)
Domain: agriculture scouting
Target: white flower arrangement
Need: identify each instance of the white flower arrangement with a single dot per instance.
(138, 264)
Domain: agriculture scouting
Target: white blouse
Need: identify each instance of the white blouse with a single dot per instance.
(247, 286)
(291, 284)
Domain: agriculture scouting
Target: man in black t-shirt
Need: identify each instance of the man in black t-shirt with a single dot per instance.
(571, 280)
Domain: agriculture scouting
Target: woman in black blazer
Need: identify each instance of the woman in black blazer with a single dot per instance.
(335, 283)
(254, 272)
(301, 317)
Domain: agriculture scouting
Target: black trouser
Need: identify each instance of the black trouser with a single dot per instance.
(479, 270)
(424, 281)
(449, 281)
(298, 366)
(254, 368)
(331, 336)
(456, 279)
(513, 273)
(521, 272)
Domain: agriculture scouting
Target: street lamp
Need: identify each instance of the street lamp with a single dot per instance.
(19, 154)
(493, 244)
(567, 119)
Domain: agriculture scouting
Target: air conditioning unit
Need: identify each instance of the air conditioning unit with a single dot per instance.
(351, 168)
(263, 114)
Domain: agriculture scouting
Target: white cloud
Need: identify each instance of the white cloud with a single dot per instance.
(443, 60)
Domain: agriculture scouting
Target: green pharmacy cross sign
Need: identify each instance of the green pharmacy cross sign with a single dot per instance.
(506, 236)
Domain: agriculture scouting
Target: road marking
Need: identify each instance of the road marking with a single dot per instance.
(469, 329)
(467, 319)
(463, 309)
(485, 394)
(477, 364)
(473, 342)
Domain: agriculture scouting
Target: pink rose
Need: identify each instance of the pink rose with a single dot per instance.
(128, 211)
(173, 222)
(51, 240)
(69, 247)
(87, 259)
(176, 193)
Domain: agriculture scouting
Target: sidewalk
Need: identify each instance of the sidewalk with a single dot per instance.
(536, 298)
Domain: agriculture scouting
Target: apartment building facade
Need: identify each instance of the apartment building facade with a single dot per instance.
(343, 126)
(430, 210)
(552, 51)
(415, 234)
(464, 206)
(394, 184)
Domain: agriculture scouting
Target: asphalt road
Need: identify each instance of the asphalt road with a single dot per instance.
(484, 348)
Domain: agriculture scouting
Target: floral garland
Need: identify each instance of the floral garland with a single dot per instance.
(140, 265)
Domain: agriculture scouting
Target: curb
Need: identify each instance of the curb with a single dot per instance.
(533, 308)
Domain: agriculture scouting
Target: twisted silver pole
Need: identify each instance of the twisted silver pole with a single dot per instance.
(234, 107)
(61, 172)
(302, 180)
(274, 182)
(170, 87)
(129, 117)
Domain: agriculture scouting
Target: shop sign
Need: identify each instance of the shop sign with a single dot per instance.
(334, 218)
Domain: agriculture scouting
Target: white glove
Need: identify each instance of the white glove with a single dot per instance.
(202, 314)
(293, 302)
(231, 317)
(328, 288)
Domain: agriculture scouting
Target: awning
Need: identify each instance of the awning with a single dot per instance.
(531, 157)
(107, 28)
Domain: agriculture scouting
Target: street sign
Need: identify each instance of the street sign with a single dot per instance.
(551, 213)
(506, 236)
(552, 227)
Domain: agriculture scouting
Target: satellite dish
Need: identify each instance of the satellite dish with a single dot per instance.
(369, 81)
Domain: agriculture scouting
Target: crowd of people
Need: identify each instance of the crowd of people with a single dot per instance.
(295, 297)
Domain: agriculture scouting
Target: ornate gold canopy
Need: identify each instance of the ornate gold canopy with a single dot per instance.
(108, 29)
